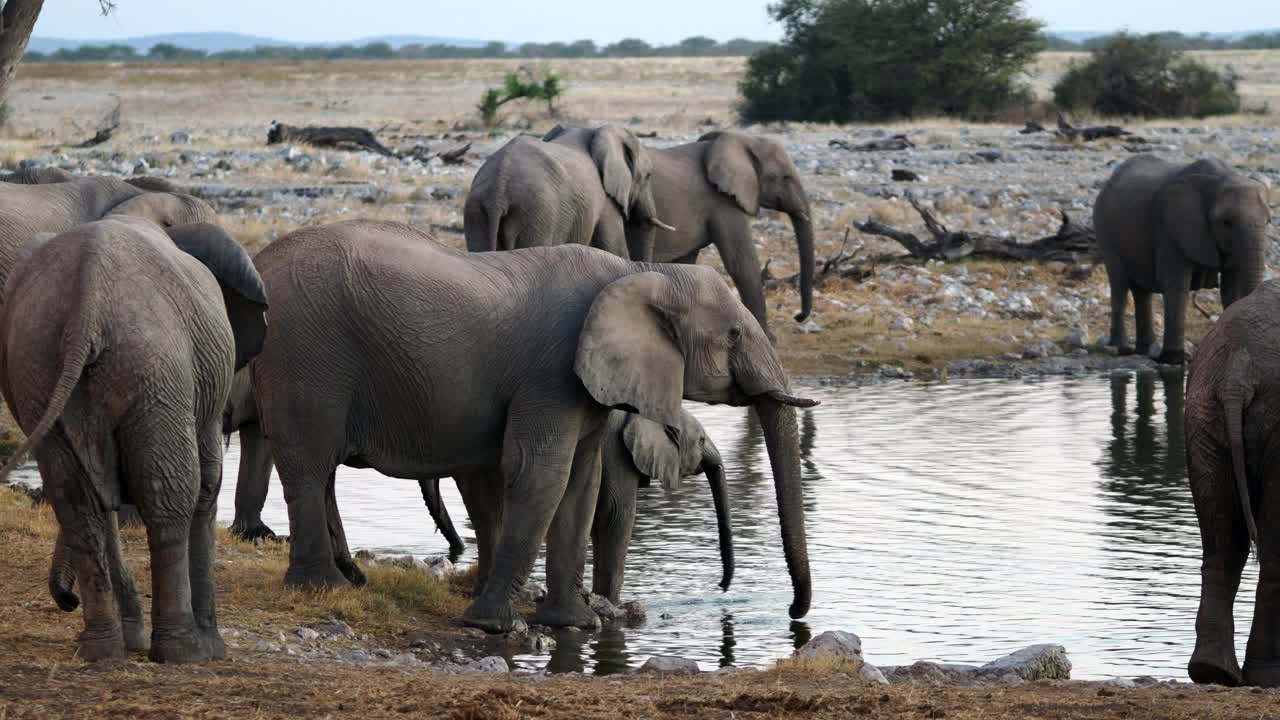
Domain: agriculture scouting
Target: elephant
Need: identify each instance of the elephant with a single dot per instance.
(386, 349)
(241, 415)
(146, 329)
(574, 186)
(1232, 427)
(636, 450)
(56, 207)
(1169, 229)
(710, 190)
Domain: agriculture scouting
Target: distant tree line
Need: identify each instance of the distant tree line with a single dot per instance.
(630, 47)
(1175, 41)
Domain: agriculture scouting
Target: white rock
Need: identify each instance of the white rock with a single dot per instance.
(264, 646)
(1036, 662)
(903, 323)
(307, 634)
(872, 674)
(491, 664)
(669, 665)
(833, 644)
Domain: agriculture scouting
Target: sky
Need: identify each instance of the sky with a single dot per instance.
(657, 21)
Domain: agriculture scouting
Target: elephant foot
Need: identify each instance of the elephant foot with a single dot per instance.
(184, 647)
(1210, 666)
(1172, 357)
(352, 572)
(1261, 673)
(321, 577)
(211, 643)
(250, 531)
(1126, 350)
(135, 635)
(573, 613)
(493, 617)
(92, 646)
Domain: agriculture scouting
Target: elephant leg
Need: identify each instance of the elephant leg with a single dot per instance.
(610, 236)
(1175, 317)
(304, 476)
(537, 456)
(440, 516)
(203, 526)
(738, 253)
(338, 536)
(1225, 546)
(482, 495)
(164, 474)
(1119, 303)
(251, 485)
(567, 542)
(83, 522)
(1262, 654)
(1143, 321)
(126, 590)
(615, 518)
(689, 258)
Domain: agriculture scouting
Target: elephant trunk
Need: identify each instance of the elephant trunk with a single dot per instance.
(802, 223)
(715, 478)
(62, 577)
(1241, 281)
(778, 422)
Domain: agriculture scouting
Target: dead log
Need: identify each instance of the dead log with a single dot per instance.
(350, 139)
(904, 175)
(897, 142)
(1071, 243)
(1031, 127)
(106, 128)
(454, 156)
(842, 264)
(1088, 133)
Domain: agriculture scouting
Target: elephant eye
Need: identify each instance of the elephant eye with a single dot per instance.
(735, 334)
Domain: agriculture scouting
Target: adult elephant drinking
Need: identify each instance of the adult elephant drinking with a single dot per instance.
(417, 360)
(1169, 229)
(710, 190)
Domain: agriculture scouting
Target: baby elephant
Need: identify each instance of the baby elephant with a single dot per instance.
(634, 451)
(1233, 455)
(1171, 229)
(117, 345)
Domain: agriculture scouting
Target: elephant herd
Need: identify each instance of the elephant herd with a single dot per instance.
(543, 370)
(547, 380)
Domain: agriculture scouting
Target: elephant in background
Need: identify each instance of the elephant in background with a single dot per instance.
(57, 207)
(1233, 460)
(147, 330)
(1169, 229)
(241, 415)
(710, 190)
(574, 186)
(476, 380)
(636, 450)
(49, 174)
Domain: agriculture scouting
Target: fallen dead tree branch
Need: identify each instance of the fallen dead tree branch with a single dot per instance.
(106, 128)
(897, 142)
(842, 265)
(351, 139)
(1090, 133)
(1072, 242)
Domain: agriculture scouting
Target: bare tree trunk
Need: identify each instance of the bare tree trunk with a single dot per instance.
(16, 22)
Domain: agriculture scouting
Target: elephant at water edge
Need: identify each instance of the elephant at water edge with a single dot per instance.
(473, 379)
(1171, 229)
(145, 330)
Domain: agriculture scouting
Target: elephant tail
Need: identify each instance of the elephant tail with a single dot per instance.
(77, 353)
(1238, 395)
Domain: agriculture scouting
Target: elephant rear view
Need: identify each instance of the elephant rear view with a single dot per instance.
(1232, 427)
(117, 345)
(1171, 229)
(574, 186)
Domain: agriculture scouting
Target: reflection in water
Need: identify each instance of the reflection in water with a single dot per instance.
(953, 522)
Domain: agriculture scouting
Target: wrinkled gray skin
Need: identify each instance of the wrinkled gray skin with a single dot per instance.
(1169, 229)
(47, 175)
(386, 364)
(710, 190)
(575, 186)
(1233, 460)
(57, 207)
(635, 451)
(241, 415)
(117, 346)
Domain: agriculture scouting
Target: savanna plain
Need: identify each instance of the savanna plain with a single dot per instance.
(877, 315)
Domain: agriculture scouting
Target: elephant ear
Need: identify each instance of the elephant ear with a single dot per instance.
(614, 151)
(554, 133)
(654, 450)
(1184, 207)
(165, 209)
(731, 165)
(242, 291)
(627, 353)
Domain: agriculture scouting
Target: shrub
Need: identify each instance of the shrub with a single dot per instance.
(521, 85)
(851, 60)
(1144, 76)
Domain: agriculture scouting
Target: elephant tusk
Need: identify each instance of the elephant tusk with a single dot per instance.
(791, 400)
(802, 216)
(659, 224)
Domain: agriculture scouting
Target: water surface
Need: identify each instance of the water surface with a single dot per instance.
(953, 522)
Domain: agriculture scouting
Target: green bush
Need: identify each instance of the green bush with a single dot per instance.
(521, 85)
(1144, 76)
(859, 60)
